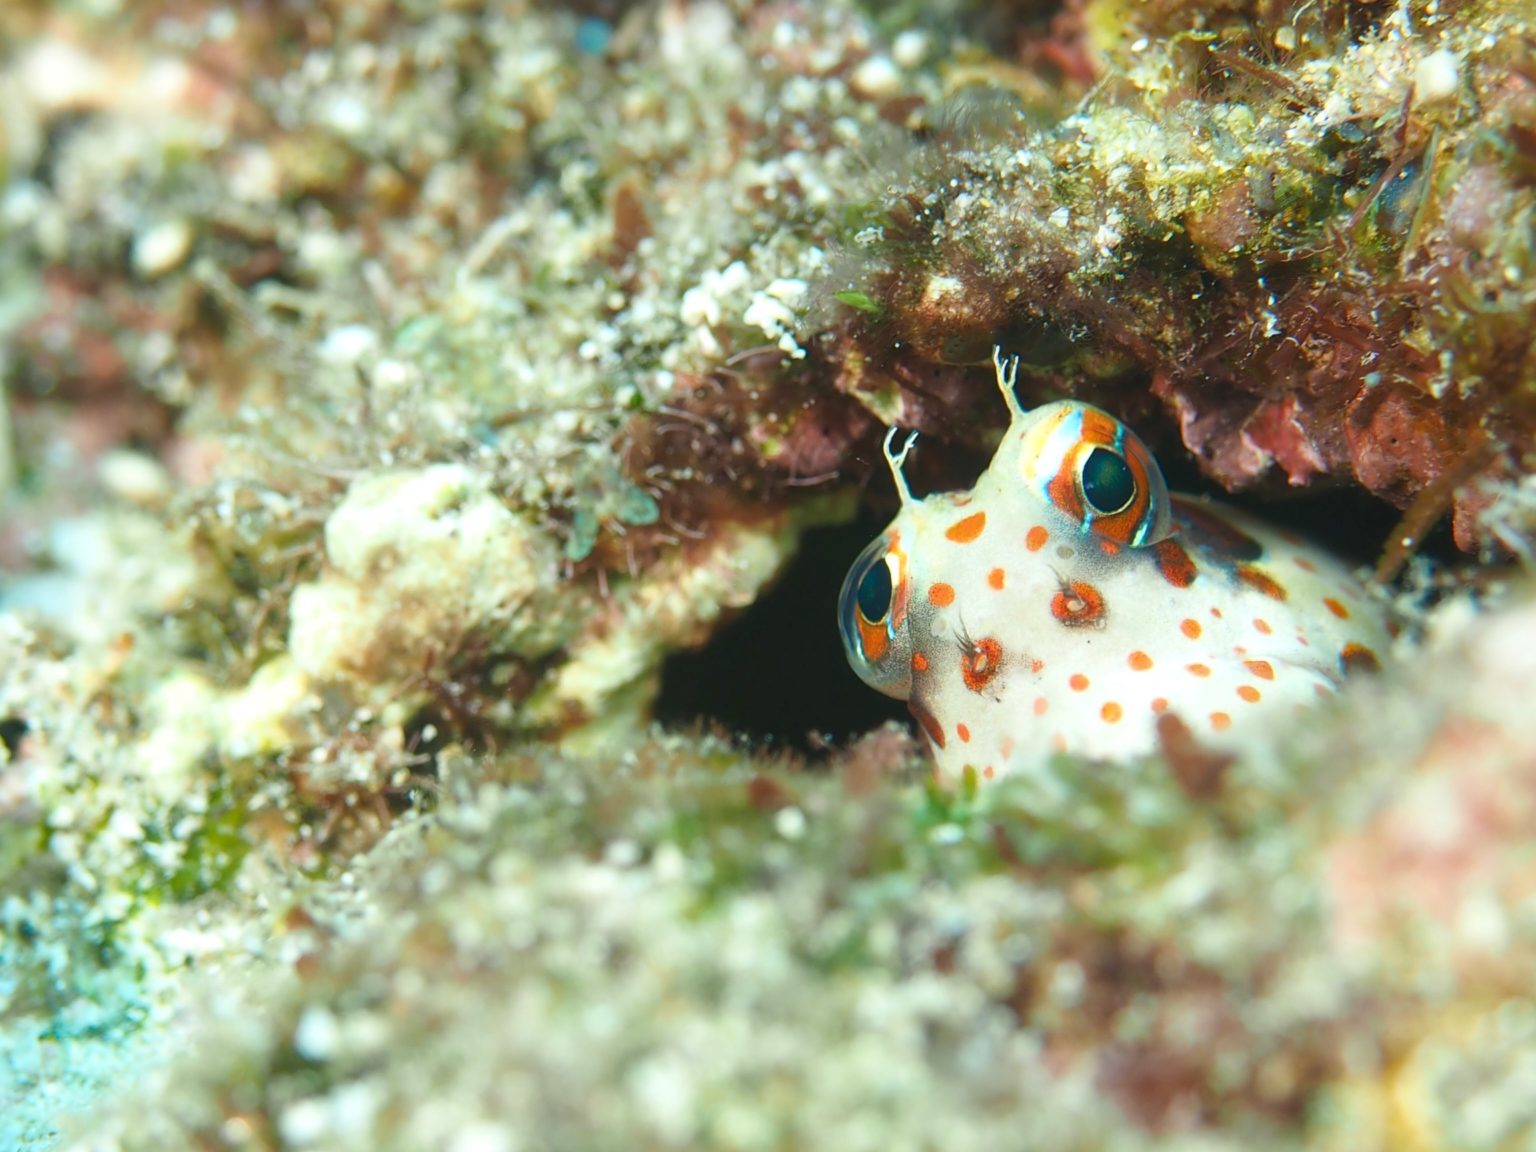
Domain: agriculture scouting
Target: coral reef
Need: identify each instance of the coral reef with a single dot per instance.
(695, 950)
(389, 390)
(1311, 248)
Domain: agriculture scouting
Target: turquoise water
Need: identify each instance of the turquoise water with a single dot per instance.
(55, 1069)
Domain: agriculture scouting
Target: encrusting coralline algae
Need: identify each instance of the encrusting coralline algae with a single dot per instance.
(389, 389)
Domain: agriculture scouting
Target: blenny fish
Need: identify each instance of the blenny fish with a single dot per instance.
(1068, 600)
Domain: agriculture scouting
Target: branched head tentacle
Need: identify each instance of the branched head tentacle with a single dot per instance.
(1007, 368)
(895, 460)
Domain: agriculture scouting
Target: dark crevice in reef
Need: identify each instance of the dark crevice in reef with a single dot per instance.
(13, 730)
(1351, 523)
(777, 673)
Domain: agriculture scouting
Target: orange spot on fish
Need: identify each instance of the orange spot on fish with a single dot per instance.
(1036, 665)
(1305, 565)
(1260, 582)
(1336, 608)
(1174, 563)
(988, 772)
(1140, 661)
(1201, 670)
(1078, 682)
(919, 662)
(996, 578)
(1078, 604)
(979, 662)
(967, 530)
(1035, 538)
(941, 595)
(1220, 721)
(1260, 668)
(1159, 705)
(1249, 693)
(1111, 712)
(1261, 626)
(928, 723)
(963, 732)
(1042, 705)
(1190, 628)
(1359, 658)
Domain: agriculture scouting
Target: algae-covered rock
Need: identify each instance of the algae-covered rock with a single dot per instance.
(613, 675)
(415, 562)
(1300, 239)
(389, 391)
(684, 947)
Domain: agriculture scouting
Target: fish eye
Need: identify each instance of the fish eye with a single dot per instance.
(874, 631)
(1094, 472)
(1107, 482)
(874, 592)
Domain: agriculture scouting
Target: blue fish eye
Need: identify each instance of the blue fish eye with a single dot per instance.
(874, 595)
(876, 644)
(1108, 486)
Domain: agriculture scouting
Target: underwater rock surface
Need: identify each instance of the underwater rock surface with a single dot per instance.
(389, 390)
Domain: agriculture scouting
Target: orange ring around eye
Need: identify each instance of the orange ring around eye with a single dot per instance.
(1063, 489)
(874, 642)
(901, 587)
(875, 635)
(1057, 444)
(1126, 525)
